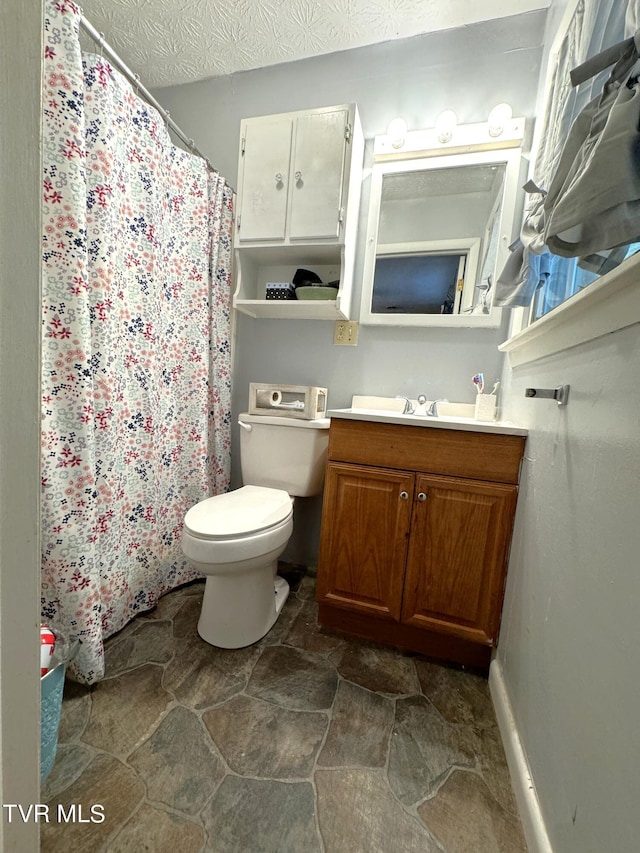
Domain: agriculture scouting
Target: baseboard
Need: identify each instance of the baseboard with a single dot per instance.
(533, 825)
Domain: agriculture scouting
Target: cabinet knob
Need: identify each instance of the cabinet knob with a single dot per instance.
(422, 496)
(298, 176)
(404, 496)
(278, 177)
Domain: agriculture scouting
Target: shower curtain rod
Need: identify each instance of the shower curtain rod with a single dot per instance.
(134, 79)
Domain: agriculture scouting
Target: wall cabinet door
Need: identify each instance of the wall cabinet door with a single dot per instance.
(365, 528)
(317, 176)
(265, 178)
(293, 176)
(457, 558)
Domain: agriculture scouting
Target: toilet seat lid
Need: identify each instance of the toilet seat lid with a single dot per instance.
(243, 511)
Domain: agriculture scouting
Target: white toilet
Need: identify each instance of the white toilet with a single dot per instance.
(235, 539)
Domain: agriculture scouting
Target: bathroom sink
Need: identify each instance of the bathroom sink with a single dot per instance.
(378, 404)
(456, 410)
(393, 404)
(390, 410)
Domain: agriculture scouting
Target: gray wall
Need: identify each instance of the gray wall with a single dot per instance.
(570, 628)
(469, 69)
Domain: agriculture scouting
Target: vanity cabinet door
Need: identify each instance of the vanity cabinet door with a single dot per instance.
(365, 529)
(457, 558)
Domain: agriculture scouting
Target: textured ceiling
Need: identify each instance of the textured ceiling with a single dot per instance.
(168, 42)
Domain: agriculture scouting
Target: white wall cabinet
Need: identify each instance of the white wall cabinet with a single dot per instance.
(298, 197)
(293, 176)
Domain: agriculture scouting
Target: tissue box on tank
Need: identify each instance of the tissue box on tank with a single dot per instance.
(307, 402)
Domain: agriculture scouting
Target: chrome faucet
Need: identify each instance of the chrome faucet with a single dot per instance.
(408, 405)
(432, 411)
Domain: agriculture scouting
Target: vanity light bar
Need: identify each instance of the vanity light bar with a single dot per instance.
(465, 138)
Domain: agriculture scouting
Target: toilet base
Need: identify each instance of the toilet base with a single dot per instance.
(282, 593)
(237, 611)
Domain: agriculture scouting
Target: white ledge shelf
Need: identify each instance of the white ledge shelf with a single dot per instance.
(609, 304)
(291, 309)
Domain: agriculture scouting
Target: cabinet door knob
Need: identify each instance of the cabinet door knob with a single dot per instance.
(422, 496)
(278, 177)
(298, 176)
(404, 496)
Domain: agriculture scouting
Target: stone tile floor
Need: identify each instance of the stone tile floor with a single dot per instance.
(307, 741)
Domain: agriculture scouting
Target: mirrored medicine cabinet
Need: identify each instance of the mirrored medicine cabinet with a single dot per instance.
(438, 233)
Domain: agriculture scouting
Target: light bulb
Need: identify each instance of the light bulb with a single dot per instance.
(498, 117)
(397, 132)
(445, 124)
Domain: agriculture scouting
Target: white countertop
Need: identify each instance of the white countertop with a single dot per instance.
(469, 424)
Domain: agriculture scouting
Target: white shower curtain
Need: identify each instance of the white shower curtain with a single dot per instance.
(136, 345)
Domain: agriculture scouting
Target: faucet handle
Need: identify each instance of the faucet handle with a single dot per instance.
(408, 405)
(433, 408)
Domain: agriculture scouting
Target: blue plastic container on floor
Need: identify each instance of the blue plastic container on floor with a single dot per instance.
(51, 687)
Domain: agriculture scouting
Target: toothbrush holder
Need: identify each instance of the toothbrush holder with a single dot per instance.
(486, 407)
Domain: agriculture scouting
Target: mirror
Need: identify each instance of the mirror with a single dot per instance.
(439, 229)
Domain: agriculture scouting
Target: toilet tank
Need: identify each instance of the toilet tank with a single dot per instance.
(284, 453)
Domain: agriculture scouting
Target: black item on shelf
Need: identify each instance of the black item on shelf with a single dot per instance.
(305, 277)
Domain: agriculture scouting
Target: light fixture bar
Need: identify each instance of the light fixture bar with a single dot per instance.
(467, 137)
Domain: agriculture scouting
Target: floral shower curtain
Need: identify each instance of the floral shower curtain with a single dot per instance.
(136, 345)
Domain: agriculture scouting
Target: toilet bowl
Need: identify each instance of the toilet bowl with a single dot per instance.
(235, 539)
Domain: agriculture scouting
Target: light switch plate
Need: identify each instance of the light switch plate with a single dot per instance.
(345, 333)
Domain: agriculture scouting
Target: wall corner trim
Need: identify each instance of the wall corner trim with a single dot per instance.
(533, 825)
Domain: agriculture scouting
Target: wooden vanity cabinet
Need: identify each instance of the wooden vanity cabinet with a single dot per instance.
(416, 528)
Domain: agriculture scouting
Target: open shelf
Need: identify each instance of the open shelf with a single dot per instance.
(256, 267)
(291, 309)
